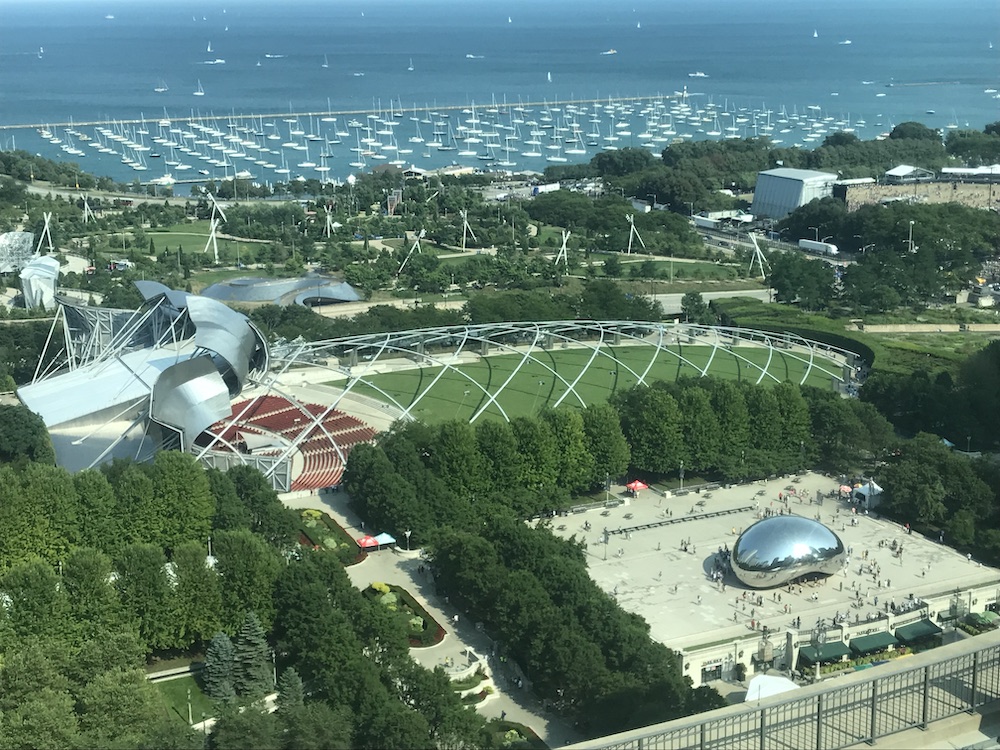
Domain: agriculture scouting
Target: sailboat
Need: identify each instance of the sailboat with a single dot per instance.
(815, 34)
(548, 77)
(326, 62)
(200, 91)
(161, 87)
(209, 47)
(410, 66)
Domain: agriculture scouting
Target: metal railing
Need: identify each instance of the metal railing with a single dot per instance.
(863, 707)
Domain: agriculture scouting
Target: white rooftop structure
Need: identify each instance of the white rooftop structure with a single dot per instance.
(38, 283)
(780, 191)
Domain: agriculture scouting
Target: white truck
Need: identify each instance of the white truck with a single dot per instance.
(820, 248)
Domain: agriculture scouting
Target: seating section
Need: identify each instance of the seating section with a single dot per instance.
(324, 437)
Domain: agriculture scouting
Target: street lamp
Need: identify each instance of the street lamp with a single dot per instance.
(682, 475)
(190, 717)
(909, 237)
(537, 394)
(407, 535)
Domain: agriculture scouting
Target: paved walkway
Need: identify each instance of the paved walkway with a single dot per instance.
(401, 568)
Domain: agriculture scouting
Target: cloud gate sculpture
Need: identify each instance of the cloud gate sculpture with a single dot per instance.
(781, 549)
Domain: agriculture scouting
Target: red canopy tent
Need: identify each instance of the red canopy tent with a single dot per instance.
(636, 484)
(367, 542)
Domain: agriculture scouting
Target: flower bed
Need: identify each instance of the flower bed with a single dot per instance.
(473, 698)
(422, 629)
(319, 531)
(471, 681)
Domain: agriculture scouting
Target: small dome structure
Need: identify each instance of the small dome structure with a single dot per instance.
(780, 549)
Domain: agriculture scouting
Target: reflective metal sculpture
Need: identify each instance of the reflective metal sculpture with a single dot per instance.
(781, 549)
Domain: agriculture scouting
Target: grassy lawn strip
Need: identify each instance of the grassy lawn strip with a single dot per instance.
(175, 694)
(524, 395)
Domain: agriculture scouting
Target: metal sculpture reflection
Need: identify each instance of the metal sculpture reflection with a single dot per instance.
(781, 549)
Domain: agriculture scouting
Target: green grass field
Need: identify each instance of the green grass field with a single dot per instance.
(462, 392)
(175, 694)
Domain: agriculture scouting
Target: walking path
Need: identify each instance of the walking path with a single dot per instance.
(401, 568)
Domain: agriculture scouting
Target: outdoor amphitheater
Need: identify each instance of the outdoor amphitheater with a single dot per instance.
(187, 372)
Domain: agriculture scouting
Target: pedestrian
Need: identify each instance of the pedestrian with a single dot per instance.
(699, 599)
(734, 616)
(503, 715)
(753, 624)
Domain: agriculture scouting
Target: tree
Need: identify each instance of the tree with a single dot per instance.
(115, 707)
(44, 721)
(197, 597)
(37, 605)
(137, 514)
(702, 434)
(612, 266)
(651, 422)
(182, 497)
(269, 518)
(97, 519)
(695, 309)
(247, 568)
(218, 672)
(605, 442)
(291, 692)
(230, 511)
(251, 660)
(734, 425)
(574, 463)
(498, 449)
(915, 130)
(316, 726)
(238, 729)
(93, 601)
(145, 592)
(23, 436)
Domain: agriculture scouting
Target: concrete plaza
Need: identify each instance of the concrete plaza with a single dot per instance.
(649, 574)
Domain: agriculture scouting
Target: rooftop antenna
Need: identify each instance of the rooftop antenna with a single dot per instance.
(466, 229)
(88, 212)
(562, 250)
(633, 232)
(414, 247)
(213, 228)
(758, 258)
(46, 234)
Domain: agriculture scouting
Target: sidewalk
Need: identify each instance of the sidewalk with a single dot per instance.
(401, 569)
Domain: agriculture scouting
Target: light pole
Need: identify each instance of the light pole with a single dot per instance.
(690, 208)
(682, 475)
(816, 235)
(909, 236)
(465, 395)
(537, 394)
(407, 535)
(274, 667)
(190, 717)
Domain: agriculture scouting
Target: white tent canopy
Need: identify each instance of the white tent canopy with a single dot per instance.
(766, 685)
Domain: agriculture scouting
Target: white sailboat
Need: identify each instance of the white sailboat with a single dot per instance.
(200, 91)
(326, 62)
(410, 66)
(161, 87)
(815, 34)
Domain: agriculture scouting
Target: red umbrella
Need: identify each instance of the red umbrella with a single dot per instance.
(367, 541)
(636, 485)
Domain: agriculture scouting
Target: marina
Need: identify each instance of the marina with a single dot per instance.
(329, 145)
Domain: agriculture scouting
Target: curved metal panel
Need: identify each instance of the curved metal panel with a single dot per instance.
(153, 289)
(190, 397)
(225, 333)
(780, 549)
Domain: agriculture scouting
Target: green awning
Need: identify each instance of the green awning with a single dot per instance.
(868, 644)
(917, 630)
(827, 652)
(974, 618)
(990, 617)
